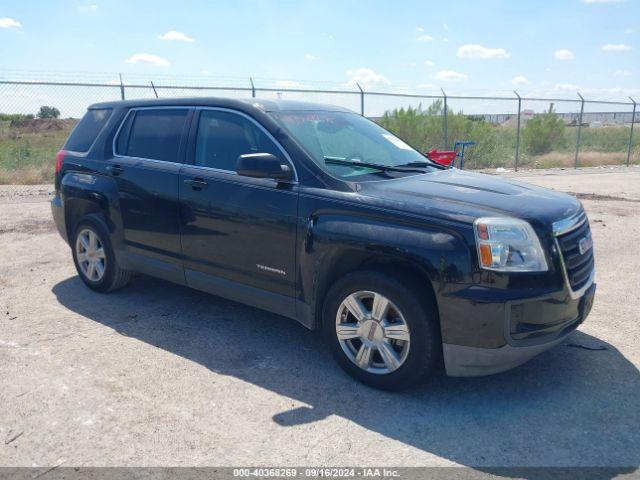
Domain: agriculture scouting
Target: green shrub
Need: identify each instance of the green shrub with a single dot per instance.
(603, 139)
(15, 117)
(424, 130)
(543, 134)
(48, 112)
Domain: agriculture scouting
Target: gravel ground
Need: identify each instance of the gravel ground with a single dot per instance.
(159, 375)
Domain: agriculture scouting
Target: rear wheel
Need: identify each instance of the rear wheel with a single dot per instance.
(382, 332)
(94, 258)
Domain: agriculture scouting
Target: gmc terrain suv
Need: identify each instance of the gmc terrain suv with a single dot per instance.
(318, 214)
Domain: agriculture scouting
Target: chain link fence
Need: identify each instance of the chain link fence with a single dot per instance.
(509, 130)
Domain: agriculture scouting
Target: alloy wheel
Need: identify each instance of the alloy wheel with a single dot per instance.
(372, 332)
(90, 255)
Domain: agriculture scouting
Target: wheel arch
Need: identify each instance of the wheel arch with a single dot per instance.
(89, 195)
(349, 261)
(77, 209)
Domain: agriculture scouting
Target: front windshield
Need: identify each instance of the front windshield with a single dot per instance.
(349, 137)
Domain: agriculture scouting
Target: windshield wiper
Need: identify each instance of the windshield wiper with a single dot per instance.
(429, 163)
(378, 166)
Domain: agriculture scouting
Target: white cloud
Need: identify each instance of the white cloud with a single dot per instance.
(603, 1)
(478, 51)
(9, 23)
(565, 88)
(366, 77)
(450, 76)
(564, 54)
(172, 35)
(622, 73)
(520, 80)
(308, 56)
(445, 40)
(446, 27)
(424, 38)
(615, 47)
(88, 8)
(629, 30)
(419, 29)
(426, 85)
(429, 63)
(204, 71)
(288, 84)
(148, 58)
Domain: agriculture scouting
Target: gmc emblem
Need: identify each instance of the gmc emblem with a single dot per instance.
(585, 244)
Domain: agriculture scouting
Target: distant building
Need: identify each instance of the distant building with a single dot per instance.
(570, 118)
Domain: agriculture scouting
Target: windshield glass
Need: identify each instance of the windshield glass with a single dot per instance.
(343, 136)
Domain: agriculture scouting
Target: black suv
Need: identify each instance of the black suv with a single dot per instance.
(318, 214)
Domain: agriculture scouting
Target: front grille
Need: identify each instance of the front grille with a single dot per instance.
(578, 266)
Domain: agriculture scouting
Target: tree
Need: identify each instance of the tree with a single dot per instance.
(48, 112)
(543, 133)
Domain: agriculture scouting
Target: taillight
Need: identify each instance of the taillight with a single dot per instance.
(59, 159)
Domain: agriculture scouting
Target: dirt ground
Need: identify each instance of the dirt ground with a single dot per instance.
(160, 375)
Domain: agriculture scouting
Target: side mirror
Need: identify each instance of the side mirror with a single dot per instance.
(263, 165)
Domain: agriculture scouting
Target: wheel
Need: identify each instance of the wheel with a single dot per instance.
(94, 258)
(383, 332)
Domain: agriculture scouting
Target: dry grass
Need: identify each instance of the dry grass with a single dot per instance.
(27, 175)
(28, 149)
(585, 159)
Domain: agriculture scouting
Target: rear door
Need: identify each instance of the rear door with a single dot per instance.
(149, 152)
(238, 233)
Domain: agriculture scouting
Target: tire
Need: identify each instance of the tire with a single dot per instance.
(410, 322)
(106, 275)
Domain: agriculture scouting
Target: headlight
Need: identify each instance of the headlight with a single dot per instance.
(508, 245)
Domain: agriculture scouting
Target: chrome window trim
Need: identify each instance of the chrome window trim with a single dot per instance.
(196, 108)
(124, 120)
(562, 227)
(260, 127)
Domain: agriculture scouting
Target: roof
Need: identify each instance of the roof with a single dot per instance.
(242, 104)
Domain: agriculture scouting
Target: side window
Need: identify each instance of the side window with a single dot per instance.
(153, 133)
(87, 130)
(223, 136)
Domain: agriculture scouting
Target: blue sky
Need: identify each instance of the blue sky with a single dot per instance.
(533, 46)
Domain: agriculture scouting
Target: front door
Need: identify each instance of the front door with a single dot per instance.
(238, 233)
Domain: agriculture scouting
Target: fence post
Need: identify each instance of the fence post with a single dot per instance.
(446, 126)
(361, 99)
(518, 132)
(253, 88)
(121, 87)
(633, 120)
(575, 161)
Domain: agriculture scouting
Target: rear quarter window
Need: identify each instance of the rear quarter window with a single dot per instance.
(87, 130)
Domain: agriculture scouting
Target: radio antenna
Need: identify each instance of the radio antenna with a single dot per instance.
(154, 88)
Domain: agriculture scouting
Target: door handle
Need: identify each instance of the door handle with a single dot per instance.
(115, 169)
(196, 183)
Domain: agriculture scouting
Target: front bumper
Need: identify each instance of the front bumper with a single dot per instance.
(530, 327)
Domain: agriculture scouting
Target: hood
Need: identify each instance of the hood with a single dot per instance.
(464, 196)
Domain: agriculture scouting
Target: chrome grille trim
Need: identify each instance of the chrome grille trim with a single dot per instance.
(570, 223)
(562, 227)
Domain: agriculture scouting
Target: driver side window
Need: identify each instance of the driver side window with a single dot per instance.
(223, 136)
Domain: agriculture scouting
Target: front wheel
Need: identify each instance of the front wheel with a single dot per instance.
(382, 332)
